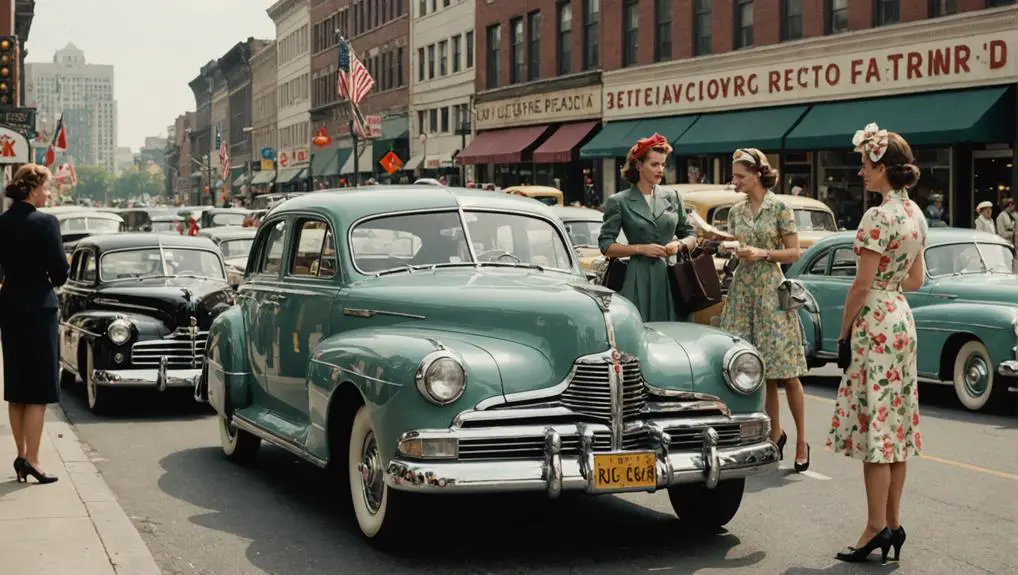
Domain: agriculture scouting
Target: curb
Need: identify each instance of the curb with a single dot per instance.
(124, 546)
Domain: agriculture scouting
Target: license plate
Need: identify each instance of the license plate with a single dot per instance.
(621, 471)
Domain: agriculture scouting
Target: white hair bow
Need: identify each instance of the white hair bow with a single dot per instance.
(872, 141)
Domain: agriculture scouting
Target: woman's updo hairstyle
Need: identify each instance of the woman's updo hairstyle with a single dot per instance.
(890, 150)
(638, 153)
(756, 161)
(26, 179)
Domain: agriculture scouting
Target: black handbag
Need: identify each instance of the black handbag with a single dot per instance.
(845, 353)
(613, 273)
(695, 284)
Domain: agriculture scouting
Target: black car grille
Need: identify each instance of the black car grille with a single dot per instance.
(589, 392)
(181, 349)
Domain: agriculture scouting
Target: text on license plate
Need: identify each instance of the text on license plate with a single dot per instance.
(625, 470)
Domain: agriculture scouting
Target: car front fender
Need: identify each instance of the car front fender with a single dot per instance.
(226, 368)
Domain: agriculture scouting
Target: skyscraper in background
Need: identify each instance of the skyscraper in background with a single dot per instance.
(83, 93)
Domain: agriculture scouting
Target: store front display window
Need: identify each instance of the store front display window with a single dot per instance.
(991, 177)
(933, 192)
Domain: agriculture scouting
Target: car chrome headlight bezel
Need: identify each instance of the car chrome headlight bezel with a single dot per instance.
(1014, 326)
(428, 376)
(732, 357)
(119, 331)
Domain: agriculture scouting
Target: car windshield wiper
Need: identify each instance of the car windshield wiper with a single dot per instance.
(412, 268)
(511, 265)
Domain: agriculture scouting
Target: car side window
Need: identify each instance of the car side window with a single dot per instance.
(87, 269)
(271, 254)
(819, 265)
(314, 254)
(843, 263)
(719, 219)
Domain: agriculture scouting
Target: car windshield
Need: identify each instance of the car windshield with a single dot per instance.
(815, 221)
(969, 258)
(438, 238)
(87, 224)
(236, 248)
(228, 219)
(161, 226)
(583, 233)
(155, 262)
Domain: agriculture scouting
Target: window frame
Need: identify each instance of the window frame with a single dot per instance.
(741, 39)
(591, 34)
(630, 53)
(660, 55)
(256, 263)
(879, 14)
(829, 12)
(294, 244)
(785, 20)
(493, 55)
(564, 38)
(698, 36)
(533, 37)
(517, 50)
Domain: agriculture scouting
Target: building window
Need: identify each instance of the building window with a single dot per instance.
(433, 120)
(399, 67)
(743, 23)
(630, 28)
(516, 51)
(422, 128)
(565, 38)
(470, 48)
(457, 52)
(533, 46)
(837, 21)
(663, 30)
(443, 57)
(445, 119)
(390, 66)
(702, 27)
(791, 19)
(996, 3)
(942, 8)
(591, 34)
(422, 8)
(431, 61)
(420, 64)
(493, 37)
(887, 12)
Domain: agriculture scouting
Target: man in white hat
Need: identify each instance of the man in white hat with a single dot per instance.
(1005, 220)
(984, 222)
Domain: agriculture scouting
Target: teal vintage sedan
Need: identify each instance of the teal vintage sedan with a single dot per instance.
(430, 340)
(966, 313)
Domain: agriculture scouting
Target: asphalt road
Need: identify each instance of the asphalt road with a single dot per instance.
(200, 514)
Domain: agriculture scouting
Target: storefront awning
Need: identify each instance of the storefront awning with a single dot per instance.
(939, 118)
(615, 139)
(413, 162)
(500, 146)
(287, 175)
(240, 181)
(262, 178)
(558, 149)
(724, 132)
(363, 163)
(322, 161)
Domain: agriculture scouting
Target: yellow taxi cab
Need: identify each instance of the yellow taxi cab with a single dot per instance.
(583, 226)
(545, 194)
(814, 219)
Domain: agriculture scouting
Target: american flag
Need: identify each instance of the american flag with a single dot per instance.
(354, 79)
(224, 155)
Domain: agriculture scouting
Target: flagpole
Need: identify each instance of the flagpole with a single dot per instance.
(354, 112)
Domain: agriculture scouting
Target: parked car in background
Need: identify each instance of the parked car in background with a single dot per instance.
(544, 194)
(165, 223)
(583, 226)
(141, 219)
(235, 244)
(966, 313)
(135, 313)
(77, 222)
(373, 337)
(220, 217)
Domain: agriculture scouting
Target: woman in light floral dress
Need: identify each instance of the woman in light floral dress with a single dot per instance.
(764, 226)
(876, 415)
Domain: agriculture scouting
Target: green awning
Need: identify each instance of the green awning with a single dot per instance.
(939, 118)
(287, 175)
(724, 132)
(264, 177)
(615, 138)
(341, 156)
(322, 161)
(395, 127)
(240, 181)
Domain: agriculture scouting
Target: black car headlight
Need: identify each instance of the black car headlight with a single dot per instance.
(119, 331)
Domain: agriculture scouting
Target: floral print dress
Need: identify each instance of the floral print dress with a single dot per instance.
(751, 311)
(876, 414)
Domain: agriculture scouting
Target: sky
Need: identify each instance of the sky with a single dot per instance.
(156, 47)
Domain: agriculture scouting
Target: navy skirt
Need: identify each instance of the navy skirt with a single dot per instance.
(31, 356)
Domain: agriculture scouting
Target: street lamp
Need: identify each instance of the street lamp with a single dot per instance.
(424, 158)
(463, 130)
(249, 130)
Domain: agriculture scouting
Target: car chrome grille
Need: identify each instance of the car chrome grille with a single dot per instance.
(589, 392)
(181, 349)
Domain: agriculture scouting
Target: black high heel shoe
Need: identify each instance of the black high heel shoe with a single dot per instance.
(881, 540)
(781, 445)
(18, 464)
(800, 467)
(28, 469)
(897, 540)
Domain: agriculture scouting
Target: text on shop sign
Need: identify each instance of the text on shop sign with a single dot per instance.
(852, 75)
(556, 106)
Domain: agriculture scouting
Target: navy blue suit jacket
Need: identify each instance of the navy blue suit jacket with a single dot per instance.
(32, 257)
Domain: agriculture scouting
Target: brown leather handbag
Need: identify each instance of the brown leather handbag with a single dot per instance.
(694, 281)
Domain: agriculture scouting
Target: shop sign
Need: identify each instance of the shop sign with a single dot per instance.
(293, 157)
(13, 147)
(560, 106)
(267, 165)
(284, 159)
(945, 64)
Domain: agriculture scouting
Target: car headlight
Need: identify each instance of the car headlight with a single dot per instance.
(744, 370)
(441, 378)
(1014, 326)
(119, 331)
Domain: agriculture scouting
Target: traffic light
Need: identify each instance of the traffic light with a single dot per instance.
(8, 70)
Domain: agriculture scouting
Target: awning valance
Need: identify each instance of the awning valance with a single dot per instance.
(264, 177)
(501, 146)
(559, 148)
(724, 132)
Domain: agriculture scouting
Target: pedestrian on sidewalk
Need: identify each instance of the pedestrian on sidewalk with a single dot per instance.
(34, 262)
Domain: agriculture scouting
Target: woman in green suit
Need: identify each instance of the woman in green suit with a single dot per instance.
(650, 216)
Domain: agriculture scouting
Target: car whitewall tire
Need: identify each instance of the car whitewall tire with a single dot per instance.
(97, 397)
(238, 445)
(376, 507)
(973, 375)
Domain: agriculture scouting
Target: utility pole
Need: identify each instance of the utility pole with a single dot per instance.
(208, 165)
(356, 155)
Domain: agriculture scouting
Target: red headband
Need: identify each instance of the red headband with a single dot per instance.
(644, 145)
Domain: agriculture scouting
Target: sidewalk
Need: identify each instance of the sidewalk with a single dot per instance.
(72, 527)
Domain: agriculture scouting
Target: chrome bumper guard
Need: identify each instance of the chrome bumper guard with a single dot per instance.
(1009, 368)
(161, 378)
(555, 472)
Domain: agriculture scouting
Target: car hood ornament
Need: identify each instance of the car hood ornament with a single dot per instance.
(600, 294)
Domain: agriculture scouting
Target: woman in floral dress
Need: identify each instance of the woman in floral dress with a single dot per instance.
(876, 415)
(764, 226)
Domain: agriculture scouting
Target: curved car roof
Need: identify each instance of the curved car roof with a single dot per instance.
(130, 240)
(77, 212)
(934, 236)
(715, 196)
(351, 204)
(573, 214)
(229, 232)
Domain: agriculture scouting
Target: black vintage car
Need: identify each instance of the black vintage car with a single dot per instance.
(136, 310)
(77, 222)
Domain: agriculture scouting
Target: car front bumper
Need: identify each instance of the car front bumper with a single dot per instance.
(567, 459)
(1009, 368)
(161, 378)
